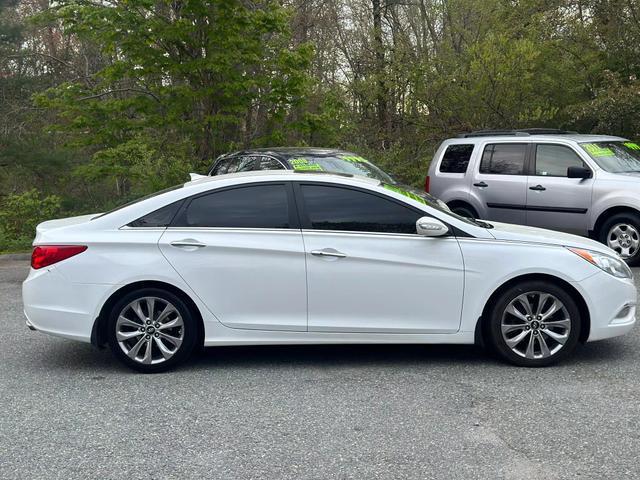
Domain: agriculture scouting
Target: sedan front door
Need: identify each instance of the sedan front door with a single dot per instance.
(368, 270)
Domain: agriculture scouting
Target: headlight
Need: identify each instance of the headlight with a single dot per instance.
(612, 265)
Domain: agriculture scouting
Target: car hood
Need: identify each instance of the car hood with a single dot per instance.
(520, 233)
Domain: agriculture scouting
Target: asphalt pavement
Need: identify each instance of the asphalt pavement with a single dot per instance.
(69, 410)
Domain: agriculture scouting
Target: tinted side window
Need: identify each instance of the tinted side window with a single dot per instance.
(267, 163)
(256, 206)
(456, 159)
(335, 208)
(159, 218)
(553, 160)
(504, 159)
(222, 166)
(246, 164)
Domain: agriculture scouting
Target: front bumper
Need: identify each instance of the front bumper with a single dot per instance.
(612, 305)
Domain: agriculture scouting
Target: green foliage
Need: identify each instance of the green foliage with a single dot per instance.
(19, 215)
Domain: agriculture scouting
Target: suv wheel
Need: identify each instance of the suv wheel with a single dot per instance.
(151, 330)
(534, 324)
(621, 232)
(464, 211)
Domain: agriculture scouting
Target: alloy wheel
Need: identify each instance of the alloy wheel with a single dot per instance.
(535, 325)
(150, 330)
(624, 239)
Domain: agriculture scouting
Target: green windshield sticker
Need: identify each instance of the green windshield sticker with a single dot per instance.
(632, 146)
(302, 164)
(596, 151)
(354, 158)
(406, 193)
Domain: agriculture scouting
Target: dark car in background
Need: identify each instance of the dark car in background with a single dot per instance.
(300, 159)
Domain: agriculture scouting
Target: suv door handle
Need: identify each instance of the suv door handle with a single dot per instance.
(328, 253)
(539, 188)
(188, 243)
(480, 184)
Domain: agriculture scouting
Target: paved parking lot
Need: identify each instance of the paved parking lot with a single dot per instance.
(348, 412)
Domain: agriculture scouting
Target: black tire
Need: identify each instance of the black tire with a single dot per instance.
(464, 211)
(498, 343)
(626, 218)
(188, 330)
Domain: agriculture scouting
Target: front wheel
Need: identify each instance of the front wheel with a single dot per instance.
(621, 232)
(534, 324)
(151, 330)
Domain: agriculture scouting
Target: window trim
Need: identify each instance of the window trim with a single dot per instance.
(526, 166)
(294, 223)
(306, 225)
(532, 171)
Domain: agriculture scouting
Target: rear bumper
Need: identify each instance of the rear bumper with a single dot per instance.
(58, 307)
(612, 305)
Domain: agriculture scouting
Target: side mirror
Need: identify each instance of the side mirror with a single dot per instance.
(578, 172)
(431, 227)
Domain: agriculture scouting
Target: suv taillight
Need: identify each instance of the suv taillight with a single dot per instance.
(426, 184)
(45, 255)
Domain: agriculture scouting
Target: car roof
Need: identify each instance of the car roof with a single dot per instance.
(286, 153)
(288, 174)
(549, 137)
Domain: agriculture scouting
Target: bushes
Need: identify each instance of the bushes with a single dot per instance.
(19, 215)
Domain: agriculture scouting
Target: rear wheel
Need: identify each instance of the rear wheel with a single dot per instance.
(534, 324)
(151, 330)
(621, 232)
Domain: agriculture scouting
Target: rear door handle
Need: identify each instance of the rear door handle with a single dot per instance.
(480, 184)
(188, 243)
(538, 188)
(328, 252)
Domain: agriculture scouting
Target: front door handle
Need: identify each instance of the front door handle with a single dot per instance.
(538, 188)
(328, 252)
(188, 243)
(480, 184)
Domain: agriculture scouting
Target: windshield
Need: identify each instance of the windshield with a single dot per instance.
(434, 202)
(341, 163)
(615, 157)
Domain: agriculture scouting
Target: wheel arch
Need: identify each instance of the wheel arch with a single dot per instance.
(462, 203)
(98, 332)
(585, 317)
(609, 212)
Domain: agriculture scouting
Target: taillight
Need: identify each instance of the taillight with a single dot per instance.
(45, 255)
(426, 184)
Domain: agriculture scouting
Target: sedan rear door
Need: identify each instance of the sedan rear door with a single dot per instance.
(240, 249)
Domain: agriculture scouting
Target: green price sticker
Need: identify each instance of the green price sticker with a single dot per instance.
(354, 159)
(632, 146)
(406, 193)
(303, 165)
(596, 151)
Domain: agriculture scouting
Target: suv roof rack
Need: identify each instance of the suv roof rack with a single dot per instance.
(522, 132)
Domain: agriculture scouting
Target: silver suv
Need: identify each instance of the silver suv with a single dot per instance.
(583, 184)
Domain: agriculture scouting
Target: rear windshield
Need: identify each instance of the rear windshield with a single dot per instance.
(615, 157)
(340, 163)
(140, 199)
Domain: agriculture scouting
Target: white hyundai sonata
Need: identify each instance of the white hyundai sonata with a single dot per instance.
(308, 258)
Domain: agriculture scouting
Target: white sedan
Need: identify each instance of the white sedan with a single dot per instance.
(306, 258)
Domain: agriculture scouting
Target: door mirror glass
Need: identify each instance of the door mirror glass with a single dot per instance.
(578, 172)
(431, 227)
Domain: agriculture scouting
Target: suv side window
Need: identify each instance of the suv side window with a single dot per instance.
(504, 159)
(456, 159)
(553, 160)
(255, 206)
(345, 209)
